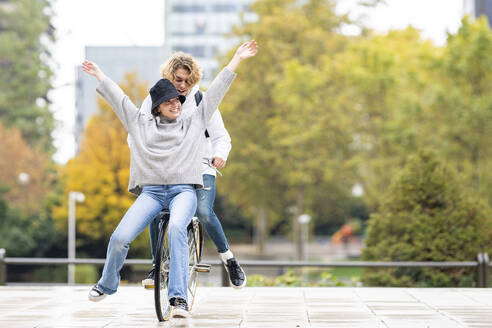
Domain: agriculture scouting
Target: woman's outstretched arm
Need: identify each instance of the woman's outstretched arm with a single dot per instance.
(246, 50)
(119, 101)
(219, 86)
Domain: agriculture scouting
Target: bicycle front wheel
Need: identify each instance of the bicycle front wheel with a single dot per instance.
(161, 277)
(195, 244)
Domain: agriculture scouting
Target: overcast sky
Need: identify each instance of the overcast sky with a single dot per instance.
(81, 23)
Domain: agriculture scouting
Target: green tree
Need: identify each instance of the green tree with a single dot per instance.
(427, 215)
(276, 126)
(383, 83)
(26, 228)
(25, 33)
(463, 104)
(25, 233)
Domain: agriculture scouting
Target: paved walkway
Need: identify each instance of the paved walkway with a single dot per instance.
(64, 306)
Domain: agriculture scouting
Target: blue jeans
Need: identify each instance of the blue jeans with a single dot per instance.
(181, 201)
(206, 214)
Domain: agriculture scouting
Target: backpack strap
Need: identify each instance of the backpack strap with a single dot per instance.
(198, 100)
(198, 97)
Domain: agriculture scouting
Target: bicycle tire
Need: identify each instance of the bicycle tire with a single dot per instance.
(162, 272)
(195, 246)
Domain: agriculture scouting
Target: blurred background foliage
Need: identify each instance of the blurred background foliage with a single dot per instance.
(314, 114)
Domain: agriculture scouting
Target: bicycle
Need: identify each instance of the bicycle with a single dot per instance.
(161, 277)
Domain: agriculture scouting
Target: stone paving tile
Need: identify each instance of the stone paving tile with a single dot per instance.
(480, 295)
(470, 316)
(374, 294)
(364, 324)
(421, 324)
(67, 307)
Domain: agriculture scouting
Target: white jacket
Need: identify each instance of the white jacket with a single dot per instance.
(219, 142)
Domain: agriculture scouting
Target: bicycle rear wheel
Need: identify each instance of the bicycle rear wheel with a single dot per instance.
(161, 277)
(195, 245)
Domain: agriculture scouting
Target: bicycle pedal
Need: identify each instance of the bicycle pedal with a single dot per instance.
(203, 267)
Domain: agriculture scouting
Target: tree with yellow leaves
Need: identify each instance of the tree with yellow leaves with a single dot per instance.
(101, 172)
(24, 171)
(26, 184)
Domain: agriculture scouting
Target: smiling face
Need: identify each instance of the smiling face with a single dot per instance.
(183, 71)
(181, 81)
(170, 109)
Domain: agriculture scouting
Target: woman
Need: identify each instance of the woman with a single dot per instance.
(184, 72)
(165, 170)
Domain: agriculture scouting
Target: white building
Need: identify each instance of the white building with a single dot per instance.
(200, 28)
(196, 27)
(477, 8)
(115, 62)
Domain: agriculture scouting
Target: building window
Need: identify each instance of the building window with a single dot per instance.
(200, 27)
(225, 8)
(195, 51)
(188, 9)
(213, 51)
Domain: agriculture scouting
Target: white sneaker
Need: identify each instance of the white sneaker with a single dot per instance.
(96, 295)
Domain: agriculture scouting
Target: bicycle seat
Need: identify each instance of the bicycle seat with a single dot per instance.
(163, 214)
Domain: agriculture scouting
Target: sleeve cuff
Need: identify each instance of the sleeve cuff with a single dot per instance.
(221, 156)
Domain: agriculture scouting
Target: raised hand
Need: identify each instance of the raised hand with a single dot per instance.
(246, 50)
(91, 68)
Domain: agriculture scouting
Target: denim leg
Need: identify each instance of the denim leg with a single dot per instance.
(182, 207)
(137, 218)
(153, 237)
(206, 214)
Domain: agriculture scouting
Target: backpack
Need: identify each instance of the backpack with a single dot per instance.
(198, 100)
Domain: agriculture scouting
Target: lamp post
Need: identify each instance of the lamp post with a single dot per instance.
(73, 197)
(303, 220)
(23, 178)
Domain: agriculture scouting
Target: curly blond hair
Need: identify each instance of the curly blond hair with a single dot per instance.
(181, 60)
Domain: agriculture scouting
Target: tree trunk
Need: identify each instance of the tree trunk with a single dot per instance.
(261, 227)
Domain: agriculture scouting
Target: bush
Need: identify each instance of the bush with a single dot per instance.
(427, 215)
(86, 274)
(23, 233)
(291, 279)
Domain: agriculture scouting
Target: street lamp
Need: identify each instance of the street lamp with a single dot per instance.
(303, 220)
(73, 197)
(357, 190)
(23, 178)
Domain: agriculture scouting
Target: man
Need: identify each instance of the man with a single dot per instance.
(184, 72)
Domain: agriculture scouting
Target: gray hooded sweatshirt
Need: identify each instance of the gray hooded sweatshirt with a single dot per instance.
(165, 151)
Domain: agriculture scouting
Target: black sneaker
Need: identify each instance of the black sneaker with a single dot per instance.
(237, 277)
(178, 308)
